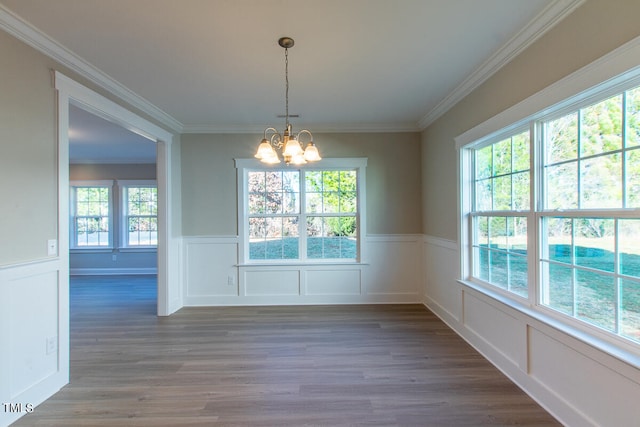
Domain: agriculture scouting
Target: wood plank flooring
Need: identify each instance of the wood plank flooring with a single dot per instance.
(383, 365)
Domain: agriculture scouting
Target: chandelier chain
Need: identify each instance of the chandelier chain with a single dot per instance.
(288, 142)
(286, 78)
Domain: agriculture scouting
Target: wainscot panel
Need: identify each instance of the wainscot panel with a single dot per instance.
(440, 265)
(34, 341)
(210, 268)
(495, 328)
(395, 267)
(584, 382)
(331, 282)
(264, 282)
(391, 273)
(580, 384)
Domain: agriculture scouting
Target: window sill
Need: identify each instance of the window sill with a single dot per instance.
(302, 264)
(584, 333)
(138, 249)
(92, 250)
(103, 250)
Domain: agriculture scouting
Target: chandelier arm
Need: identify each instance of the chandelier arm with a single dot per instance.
(276, 140)
(304, 131)
(292, 151)
(274, 130)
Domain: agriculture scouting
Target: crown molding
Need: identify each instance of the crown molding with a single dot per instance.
(27, 33)
(548, 18)
(315, 128)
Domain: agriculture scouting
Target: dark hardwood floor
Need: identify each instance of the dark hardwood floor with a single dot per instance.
(383, 365)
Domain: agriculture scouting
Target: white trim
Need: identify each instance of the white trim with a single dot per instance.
(123, 208)
(612, 73)
(549, 17)
(50, 272)
(325, 163)
(213, 277)
(97, 104)
(347, 163)
(512, 349)
(211, 239)
(618, 65)
(381, 238)
(92, 183)
(27, 33)
(317, 128)
(552, 325)
(73, 236)
(112, 271)
(137, 182)
(444, 243)
(287, 263)
(69, 91)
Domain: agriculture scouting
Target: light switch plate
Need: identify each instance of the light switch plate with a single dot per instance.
(52, 247)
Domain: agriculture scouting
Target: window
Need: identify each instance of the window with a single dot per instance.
(552, 209)
(91, 215)
(140, 223)
(590, 230)
(502, 192)
(94, 225)
(307, 214)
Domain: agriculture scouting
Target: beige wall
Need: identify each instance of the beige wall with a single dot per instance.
(393, 179)
(28, 144)
(28, 187)
(396, 204)
(593, 30)
(79, 172)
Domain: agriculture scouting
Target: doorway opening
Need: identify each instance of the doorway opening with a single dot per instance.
(73, 97)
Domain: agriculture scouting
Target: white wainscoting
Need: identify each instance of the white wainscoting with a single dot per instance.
(392, 273)
(578, 383)
(34, 342)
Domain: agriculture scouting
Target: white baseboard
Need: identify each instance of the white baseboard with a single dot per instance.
(111, 271)
(569, 377)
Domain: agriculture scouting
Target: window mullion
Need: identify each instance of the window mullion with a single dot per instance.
(536, 176)
(574, 256)
(579, 157)
(302, 215)
(623, 155)
(574, 271)
(617, 280)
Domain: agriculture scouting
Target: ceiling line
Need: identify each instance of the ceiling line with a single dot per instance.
(549, 17)
(24, 31)
(27, 33)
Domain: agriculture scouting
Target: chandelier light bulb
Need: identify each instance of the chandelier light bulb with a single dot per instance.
(311, 153)
(288, 143)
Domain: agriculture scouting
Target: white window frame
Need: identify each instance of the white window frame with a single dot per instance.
(244, 166)
(614, 73)
(529, 214)
(123, 188)
(73, 237)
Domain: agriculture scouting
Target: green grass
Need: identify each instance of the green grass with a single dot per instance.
(593, 296)
(317, 248)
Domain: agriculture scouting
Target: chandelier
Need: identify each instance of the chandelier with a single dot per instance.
(288, 143)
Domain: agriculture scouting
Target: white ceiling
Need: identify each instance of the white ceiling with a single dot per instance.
(95, 140)
(215, 66)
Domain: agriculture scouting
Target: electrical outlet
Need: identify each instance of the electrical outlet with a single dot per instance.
(114, 257)
(52, 247)
(231, 281)
(52, 344)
